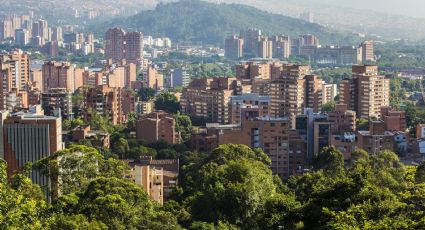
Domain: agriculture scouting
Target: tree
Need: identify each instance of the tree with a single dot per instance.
(420, 173)
(121, 147)
(413, 118)
(231, 185)
(167, 102)
(183, 126)
(167, 154)
(120, 204)
(328, 107)
(72, 169)
(22, 204)
(146, 93)
(131, 120)
(234, 192)
(97, 121)
(72, 124)
(330, 160)
(365, 196)
(362, 124)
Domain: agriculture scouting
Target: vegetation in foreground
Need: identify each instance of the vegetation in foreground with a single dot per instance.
(231, 187)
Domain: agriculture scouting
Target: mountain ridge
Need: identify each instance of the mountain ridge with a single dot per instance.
(195, 20)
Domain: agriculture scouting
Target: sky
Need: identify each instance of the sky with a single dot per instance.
(413, 8)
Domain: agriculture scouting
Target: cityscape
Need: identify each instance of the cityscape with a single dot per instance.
(196, 114)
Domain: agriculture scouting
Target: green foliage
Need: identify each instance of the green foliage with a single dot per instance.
(167, 154)
(184, 126)
(362, 124)
(420, 173)
(210, 70)
(328, 107)
(121, 147)
(131, 120)
(22, 204)
(94, 195)
(167, 102)
(400, 55)
(204, 22)
(77, 166)
(72, 124)
(146, 93)
(97, 121)
(120, 204)
(333, 75)
(71, 222)
(330, 160)
(413, 117)
(374, 193)
(233, 185)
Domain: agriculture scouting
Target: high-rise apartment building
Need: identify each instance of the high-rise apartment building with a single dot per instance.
(314, 93)
(28, 138)
(36, 78)
(179, 78)
(121, 45)
(154, 79)
(315, 129)
(114, 44)
(349, 55)
(241, 103)
(22, 37)
(210, 98)
(15, 70)
(329, 92)
(307, 16)
(367, 52)
(234, 47)
(281, 46)
(160, 185)
(129, 102)
(309, 40)
(264, 48)
(57, 102)
(246, 72)
(57, 34)
(105, 101)
(274, 136)
(58, 75)
(288, 91)
(157, 126)
(250, 37)
(133, 47)
(366, 92)
(342, 120)
(6, 29)
(40, 29)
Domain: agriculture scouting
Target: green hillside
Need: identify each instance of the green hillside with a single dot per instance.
(195, 21)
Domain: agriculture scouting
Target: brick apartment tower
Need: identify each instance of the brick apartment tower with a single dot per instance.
(366, 92)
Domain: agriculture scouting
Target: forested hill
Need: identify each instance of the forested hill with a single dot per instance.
(209, 23)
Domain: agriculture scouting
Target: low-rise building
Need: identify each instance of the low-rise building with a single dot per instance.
(96, 137)
(157, 126)
(157, 177)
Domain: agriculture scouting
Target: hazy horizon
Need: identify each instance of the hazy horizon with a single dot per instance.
(412, 8)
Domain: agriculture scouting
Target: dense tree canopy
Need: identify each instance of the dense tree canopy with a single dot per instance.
(230, 187)
(183, 126)
(146, 94)
(167, 102)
